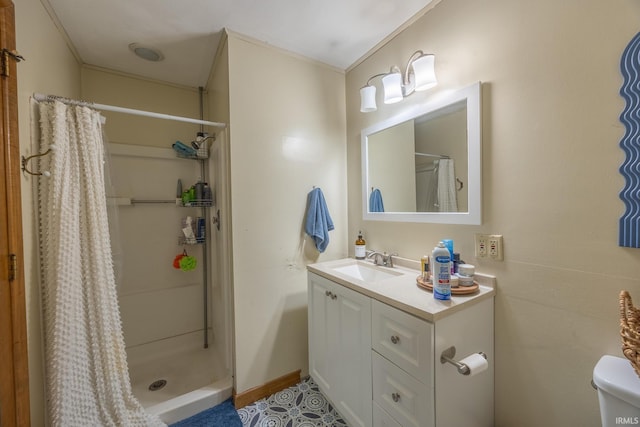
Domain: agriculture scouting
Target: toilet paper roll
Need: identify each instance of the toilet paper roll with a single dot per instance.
(476, 363)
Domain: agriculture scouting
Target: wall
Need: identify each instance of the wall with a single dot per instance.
(550, 73)
(217, 106)
(287, 135)
(123, 90)
(50, 68)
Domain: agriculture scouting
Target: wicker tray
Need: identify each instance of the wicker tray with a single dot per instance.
(630, 330)
(460, 290)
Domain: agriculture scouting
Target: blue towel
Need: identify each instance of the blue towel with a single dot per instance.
(183, 149)
(319, 222)
(375, 201)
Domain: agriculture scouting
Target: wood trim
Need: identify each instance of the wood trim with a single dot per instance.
(14, 371)
(247, 397)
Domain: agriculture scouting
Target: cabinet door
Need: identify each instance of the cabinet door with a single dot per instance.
(352, 356)
(340, 348)
(322, 325)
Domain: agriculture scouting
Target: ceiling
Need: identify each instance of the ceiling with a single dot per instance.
(187, 32)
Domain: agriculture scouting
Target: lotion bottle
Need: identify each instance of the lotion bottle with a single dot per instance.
(441, 268)
(361, 247)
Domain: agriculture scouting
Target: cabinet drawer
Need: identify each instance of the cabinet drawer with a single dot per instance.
(403, 339)
(382, 419)
(405, 399)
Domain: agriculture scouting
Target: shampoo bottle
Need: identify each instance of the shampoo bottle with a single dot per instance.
(361, 247)
(441, 268)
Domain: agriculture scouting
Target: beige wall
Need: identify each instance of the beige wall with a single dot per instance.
(49, 68)
(550, 73)
(122, 90)
(287, 132)
(218, 86)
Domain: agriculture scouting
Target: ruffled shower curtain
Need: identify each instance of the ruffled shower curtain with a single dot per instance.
(86, 368)
(447, 197)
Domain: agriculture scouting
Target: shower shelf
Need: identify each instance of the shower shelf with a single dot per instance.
(196, 157)
(198, 204)
(184, 241)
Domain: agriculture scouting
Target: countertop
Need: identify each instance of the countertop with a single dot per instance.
(401, 290)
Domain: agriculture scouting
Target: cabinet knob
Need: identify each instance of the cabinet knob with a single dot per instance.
(330, 294)
(395, 339)
(395, 397)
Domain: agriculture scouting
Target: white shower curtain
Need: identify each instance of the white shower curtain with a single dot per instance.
(447, 197)
(86, 368)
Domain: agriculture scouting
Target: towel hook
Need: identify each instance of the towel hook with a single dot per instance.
(461, 183)
(25, 160)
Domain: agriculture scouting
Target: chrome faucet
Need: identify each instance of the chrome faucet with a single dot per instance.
(384, 258)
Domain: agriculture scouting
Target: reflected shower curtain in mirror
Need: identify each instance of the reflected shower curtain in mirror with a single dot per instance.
(85, 361)
(447, 197)
(427, 188)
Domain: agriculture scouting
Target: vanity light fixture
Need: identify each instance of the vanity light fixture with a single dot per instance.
(419, 75)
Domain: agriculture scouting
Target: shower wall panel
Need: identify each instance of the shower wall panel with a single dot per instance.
(157, 301)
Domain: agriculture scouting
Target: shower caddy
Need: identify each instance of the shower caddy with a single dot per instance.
(201, 157)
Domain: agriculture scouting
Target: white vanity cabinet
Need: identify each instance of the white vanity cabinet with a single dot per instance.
(340, 347)
(374, 350)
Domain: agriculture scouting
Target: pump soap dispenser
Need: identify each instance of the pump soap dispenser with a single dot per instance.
(361, 247)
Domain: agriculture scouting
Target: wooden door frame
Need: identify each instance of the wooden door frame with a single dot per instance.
(14, 372)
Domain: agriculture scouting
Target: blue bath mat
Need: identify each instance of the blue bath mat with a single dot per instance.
(222, 415)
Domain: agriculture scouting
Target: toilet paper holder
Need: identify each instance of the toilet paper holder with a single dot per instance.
(448, 355)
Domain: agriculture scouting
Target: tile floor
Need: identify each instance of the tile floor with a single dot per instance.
(302, 405)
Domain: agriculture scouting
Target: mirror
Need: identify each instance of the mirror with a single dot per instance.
(424, 165)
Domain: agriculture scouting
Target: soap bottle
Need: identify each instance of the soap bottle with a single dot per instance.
(424, 262)
(441, 268)
(361, 247)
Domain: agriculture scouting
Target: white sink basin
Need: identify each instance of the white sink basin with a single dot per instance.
(366, 273)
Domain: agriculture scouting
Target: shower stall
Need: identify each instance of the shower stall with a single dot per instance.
(176, 321)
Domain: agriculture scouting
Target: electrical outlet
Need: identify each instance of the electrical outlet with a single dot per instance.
(495, 247)
(482, 241)
(489, 246)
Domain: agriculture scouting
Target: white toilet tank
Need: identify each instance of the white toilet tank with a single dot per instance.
(618, 391)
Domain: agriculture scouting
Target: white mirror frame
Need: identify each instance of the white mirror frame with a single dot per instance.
(474, 152)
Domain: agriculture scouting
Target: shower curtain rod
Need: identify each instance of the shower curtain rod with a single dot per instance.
(40, 97)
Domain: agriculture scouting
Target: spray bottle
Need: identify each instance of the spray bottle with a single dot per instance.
(441, 271)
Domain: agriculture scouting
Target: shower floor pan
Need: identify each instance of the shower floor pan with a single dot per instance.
(189, 404)
(177, 378)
